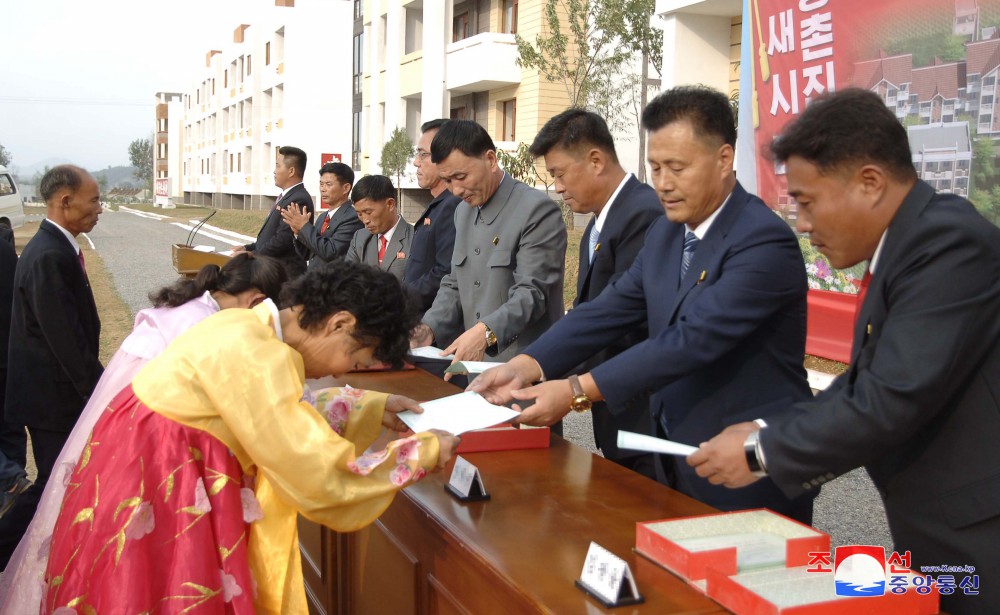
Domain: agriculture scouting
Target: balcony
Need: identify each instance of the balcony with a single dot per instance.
(482, 62)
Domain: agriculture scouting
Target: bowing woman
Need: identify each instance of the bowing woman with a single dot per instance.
(185, 497)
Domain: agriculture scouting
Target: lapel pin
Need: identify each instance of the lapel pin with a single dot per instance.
(496, 240)
(702, 277)
(868, 329)
(427, 221)
(597, 247)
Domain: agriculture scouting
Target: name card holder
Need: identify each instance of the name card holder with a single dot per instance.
(608, 579)
(465, 484)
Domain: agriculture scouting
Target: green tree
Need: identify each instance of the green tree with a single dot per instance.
(984, 164)
(587, 45)
(140, 155)
(5, 156)
(396, 154)
(102, 183)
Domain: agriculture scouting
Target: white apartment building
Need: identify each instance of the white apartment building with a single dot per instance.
(284, 79)
(418, 60)
(167, 145)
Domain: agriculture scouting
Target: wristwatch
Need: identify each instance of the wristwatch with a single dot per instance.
(580, 403)
(754, 457)
(491, 337)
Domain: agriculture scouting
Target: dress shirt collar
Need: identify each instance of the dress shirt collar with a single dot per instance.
(601, 217)
(878, 252)
(286, 191)
(702, 229)
(388, 234)
(69, 236)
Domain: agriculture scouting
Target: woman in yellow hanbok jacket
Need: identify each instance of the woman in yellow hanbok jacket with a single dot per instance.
(185, 497)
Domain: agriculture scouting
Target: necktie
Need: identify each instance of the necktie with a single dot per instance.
(326, 224)
(381, 248)
(690, 245)
(83, 263)
(594, 236)
(862, 292)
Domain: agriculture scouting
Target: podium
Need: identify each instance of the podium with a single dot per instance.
(188, 261)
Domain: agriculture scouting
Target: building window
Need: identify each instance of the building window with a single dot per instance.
(161, 150)
(459, 113)
(239, 162)
(267, 53)
(356, 142)
(248, 65)
(460, 27)
(509, 118)
(510, 16)
(359, 46)
(357, 9)
(213, 86)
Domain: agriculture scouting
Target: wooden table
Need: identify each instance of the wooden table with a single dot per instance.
(517, 553)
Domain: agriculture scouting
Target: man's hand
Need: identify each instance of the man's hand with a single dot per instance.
(497, 384)
(447, 444)
(422, 335)
(238, 249)
(295, 216)
(722, 461)
(552, 400)
(393, 406)
(470, 346)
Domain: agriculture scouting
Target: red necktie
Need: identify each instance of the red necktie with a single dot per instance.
(382, 243)
(83, 264)
(326, 224)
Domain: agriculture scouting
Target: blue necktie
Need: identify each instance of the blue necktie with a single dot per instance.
(594, 236)
(690, 245)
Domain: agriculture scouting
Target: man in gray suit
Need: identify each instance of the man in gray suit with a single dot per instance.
(506, 281)
(385, 240)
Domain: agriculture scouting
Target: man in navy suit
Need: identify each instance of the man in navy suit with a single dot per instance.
(919, 405)
(580, 155)
(434, 231)
(55, 331)
(330, 237)
(721, 286)
(275, 237)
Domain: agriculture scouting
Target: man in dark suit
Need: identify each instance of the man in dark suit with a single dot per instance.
(506, 280)
(721, 286)
(330, 237)
(580, 155)
(53, 363)
(919, 405)
(385, 240)
(434, 232)
(275, 237)
(13, 480)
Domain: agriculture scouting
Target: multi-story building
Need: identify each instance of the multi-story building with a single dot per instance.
(416, 61)
(167, 144)
(284, 79)
(942, 155)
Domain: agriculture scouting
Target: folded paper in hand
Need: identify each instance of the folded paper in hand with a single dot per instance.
(457, 414)
(430, 352)
(639, 442)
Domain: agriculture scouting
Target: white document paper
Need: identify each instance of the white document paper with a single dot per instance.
(203, 248)
(639, 442)
(430, 352)
(470, 367)
(457, 414)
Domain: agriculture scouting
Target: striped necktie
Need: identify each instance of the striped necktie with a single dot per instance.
(690, 245)
(594, 237)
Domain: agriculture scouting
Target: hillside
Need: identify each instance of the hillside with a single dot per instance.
(117, 176)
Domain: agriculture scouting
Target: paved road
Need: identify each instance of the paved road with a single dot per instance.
(136, 250)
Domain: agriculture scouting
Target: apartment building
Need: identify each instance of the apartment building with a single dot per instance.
(167, 145)
(280, 78)
(417, 60)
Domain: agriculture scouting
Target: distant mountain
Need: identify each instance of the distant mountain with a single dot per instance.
(117, 176)
(28, 171)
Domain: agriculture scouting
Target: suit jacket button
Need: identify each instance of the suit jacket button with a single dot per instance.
(477, 250)
(477, 315)
(476, 283)
(806, 486)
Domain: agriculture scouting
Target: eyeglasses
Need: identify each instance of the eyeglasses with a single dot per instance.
(421, 154)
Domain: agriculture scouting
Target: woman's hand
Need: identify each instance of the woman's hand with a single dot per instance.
(447, 444)
(393, 406)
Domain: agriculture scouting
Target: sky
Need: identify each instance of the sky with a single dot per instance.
(78, 79)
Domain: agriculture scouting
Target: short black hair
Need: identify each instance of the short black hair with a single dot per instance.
(344, 173)
(432, 125)
(298, 158)
(374, 297)
(573, 130)
(844, 127)
(373, 187)
(63, 176)
(707, 109)
(465, 136)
